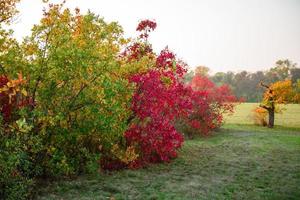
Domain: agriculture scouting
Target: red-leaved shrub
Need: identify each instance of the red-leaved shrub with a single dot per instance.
(12, 97)
(159, 100)
(209, 104)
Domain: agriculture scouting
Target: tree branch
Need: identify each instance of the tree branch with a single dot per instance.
(264, 85)
(265, 107)
(130, 119)
(73, 99)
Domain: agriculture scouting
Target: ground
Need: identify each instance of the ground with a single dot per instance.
(238, 162)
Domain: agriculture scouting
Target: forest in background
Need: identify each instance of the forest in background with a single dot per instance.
(245, 84)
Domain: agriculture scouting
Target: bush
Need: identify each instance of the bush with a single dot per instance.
(16, 141)
(75, 81)
(156, 105)
(159, 98)
(260, 116)
(76, 99)
(210, 103)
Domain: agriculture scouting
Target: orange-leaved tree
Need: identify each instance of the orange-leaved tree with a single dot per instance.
(280, 92)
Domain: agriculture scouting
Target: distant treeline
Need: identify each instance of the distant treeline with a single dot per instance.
(246, 84)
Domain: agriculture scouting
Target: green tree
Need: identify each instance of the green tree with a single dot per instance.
(281, 71)
(295, 75)
(189, 76)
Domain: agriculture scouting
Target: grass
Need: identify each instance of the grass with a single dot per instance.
(238, 162)
(290, 116)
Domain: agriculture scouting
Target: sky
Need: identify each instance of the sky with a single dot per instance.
(231, 35)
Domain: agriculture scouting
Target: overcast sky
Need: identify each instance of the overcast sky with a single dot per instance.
(220, 34)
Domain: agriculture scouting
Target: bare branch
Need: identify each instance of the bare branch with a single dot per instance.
(265, 107)
(264, 85)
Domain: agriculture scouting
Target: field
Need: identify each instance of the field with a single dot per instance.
(290, 116)
(237, 162)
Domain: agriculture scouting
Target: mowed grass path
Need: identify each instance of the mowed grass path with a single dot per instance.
(290, 116)
(239, 162)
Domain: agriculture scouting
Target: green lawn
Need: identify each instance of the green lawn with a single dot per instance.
(290, 116)
(238, 162)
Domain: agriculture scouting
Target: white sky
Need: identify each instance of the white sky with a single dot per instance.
(222, 35)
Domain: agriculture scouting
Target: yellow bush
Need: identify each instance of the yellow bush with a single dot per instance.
(260, 116)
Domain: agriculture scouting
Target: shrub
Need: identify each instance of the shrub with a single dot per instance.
(159, 98)
(260, 116)
(210, 103)
(17, 144)
(75, 81)
(76, 99)
(158, 101)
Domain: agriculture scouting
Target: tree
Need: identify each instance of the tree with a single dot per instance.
(295, 75)
(255, 92)
(219, 78)
(202, 70)
(297, 92)
(242, 84)
(281, 71)
(280, 92)
(189, 76)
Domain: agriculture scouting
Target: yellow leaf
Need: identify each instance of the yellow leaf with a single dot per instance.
(24, 92)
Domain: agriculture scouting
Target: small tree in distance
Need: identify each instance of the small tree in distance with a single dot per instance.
(280, 92)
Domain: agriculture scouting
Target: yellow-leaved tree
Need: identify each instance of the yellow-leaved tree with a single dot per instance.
(280, 92)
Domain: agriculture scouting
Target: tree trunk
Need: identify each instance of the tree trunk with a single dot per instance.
(271, 118)
(269, 108)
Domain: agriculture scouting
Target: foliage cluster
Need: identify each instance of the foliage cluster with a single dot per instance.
(77, 100)
(210, 103)
(84, 93)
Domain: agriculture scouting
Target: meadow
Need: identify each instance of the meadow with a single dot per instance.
(240, 161)
(289, 117)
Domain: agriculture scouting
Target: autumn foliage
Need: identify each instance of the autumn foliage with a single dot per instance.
(160, 98)
(161, 101)
(92, 97)
(158, 101)
(12, 97)
(210, 103)
(259, 116)
(280, 92)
